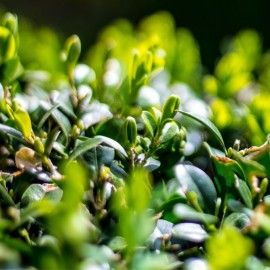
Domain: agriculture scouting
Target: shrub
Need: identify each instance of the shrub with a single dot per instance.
(130, 158)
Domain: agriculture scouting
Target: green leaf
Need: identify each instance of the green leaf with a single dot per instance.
(169, 130)
(186, 213)
(23, 121)
(245, 193)
(130, 130)
(193, 179)
(13, 69)
(150, 123)
(250, 167)
(12, 132)
(7, 44)
(62, 121)
(72, 50)
(223, 256)
(6, 196)
(84, 147)
(114, 144)
(190, 232)
(209, 125)
(151, 164)
(47, 115)
(225, 172)
(32, 194)
(169, 108)
(34, 210)
(239, 220)
(154, 261)
(51, 139)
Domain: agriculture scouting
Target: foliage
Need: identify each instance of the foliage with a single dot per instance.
(138, 159)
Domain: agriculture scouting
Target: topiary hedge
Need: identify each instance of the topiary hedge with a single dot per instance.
(133, 156)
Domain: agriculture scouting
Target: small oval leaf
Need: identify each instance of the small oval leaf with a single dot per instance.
(190, 232)
(194, 179)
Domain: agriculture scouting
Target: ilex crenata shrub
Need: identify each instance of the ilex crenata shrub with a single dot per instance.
(131, 157)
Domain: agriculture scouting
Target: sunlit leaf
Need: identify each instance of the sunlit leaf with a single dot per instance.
(233, 256)
(23, 121)
(7, 44)
(209, 125)
(150, 123)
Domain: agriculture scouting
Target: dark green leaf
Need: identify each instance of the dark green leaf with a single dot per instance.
(240, 220)
(33, 193)
(47, 115)
(52, 137)
(6, 197)
(190, 231)
(12, 132)
(193, 179)
(59, 118)
(245, 193)
(112, 143)
(209, 125)
(84, 147)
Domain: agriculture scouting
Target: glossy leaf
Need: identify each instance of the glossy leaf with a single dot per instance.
(150, 123)
(83, 147)
(59, 118)
(47, 115)
(130, 130)
(186, 213)
(12, 132)
(239, 220)
(192, 179)
(245, 193)
(169, 130)
(72, 50)
(209, 125)
(23, 121)
(6, 196)
(112, 143)
(33, 193)
(190, 232)
(170, 106)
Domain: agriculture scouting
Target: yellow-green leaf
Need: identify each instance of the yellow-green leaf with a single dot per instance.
(23, 122)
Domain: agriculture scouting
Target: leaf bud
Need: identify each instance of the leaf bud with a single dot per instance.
(10, 21)
(130, 130)
(170, 107)
(38, 146)
(72, 50)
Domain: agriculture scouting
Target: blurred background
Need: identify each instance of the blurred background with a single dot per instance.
(210, 21)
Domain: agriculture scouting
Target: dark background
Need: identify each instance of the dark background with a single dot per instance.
(209, 20)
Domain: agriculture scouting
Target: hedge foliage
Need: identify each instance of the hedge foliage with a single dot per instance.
(133, 156)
